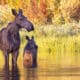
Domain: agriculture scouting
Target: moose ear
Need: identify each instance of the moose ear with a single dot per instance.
(32, 37)
(36, 46)
(14, 12)
(20, 11)
(27, 37)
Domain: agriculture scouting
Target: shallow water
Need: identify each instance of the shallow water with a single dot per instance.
(50, 67)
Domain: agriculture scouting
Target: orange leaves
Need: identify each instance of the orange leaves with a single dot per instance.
(43, 6)
(2, 2)
(33, 9)
(37, 11)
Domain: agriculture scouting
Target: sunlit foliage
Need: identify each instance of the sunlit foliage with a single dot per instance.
(46, 11)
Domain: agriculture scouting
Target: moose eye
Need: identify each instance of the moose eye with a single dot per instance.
(21, 19)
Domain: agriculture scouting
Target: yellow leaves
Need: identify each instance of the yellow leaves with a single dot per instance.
(14, 3)
(50, 4)
(69, 7)
(38, 10)
(71, 3)
(5, 14)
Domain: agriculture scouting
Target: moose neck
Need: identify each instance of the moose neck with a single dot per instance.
(18, 26)
(13, 30)
(13, 27)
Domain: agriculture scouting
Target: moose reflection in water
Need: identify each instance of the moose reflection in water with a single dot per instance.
(31, 74)
(10, 74)
(10, 38)
(30, 53)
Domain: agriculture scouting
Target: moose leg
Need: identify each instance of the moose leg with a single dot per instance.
(6, 73)
(14, 58)
(34, 60)
(6, 58)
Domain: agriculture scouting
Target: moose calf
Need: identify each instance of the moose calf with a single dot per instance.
(30, 53)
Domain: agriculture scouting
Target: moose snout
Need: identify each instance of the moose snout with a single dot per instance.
(32, 27)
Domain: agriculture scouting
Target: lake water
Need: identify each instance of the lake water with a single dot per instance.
(50, 67)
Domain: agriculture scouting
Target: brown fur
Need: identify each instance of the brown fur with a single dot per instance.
(27, 59)
(30, 53)
(10, 37)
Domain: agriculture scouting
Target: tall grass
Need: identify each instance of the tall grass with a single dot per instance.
(61, 44)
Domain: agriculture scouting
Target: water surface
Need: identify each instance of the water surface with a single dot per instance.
(50, 67)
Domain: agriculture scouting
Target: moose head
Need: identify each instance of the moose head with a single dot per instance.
(22, 21)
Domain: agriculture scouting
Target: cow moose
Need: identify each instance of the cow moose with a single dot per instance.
(10, 38)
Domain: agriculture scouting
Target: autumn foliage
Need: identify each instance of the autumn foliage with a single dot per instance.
(44, 11)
